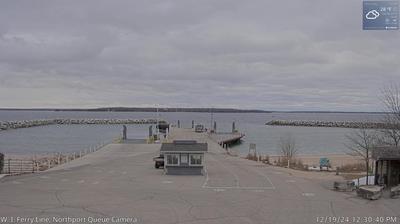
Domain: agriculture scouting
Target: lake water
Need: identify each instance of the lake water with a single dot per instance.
(73, 138)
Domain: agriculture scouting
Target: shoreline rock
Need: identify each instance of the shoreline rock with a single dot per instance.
(5, 125)
(334, 124)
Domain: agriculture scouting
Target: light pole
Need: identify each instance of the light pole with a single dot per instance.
(157, 124)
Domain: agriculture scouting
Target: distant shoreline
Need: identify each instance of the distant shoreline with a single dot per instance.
(170, 109)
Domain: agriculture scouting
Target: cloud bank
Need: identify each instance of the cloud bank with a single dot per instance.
(273, 55)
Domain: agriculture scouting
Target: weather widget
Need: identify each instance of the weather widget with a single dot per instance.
(381, 15)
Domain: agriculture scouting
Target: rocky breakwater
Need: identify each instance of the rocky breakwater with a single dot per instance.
(334, 124)
(4, 125)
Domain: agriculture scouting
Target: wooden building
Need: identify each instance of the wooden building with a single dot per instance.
(184, 157)
(387, 165)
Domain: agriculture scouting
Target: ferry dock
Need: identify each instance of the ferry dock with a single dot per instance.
(120, 181)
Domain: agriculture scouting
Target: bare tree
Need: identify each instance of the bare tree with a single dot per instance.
(287, 146)
(391, 101)
(361, 143)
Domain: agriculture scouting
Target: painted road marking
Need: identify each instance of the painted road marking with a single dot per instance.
(308, 194)
(237, 186)
(229, 170)
(96, 182)
(167, 182)
(219, 190)
(81, 182)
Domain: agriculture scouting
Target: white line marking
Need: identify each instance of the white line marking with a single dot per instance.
(167, 182)
(81, 182)
(237, 187)
(241, 188)
(229, 170)
(96, 182)
(308, 194)
(266, 177)
(219, 189)
(206, 181)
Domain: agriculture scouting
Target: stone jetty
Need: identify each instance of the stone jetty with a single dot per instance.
(4, 125)
(334, 124)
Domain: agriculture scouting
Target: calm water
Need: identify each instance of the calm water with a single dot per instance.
(70, 138)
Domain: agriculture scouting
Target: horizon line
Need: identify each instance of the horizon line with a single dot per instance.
(183, 109)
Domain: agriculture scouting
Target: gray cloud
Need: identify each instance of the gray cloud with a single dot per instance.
(277, 55)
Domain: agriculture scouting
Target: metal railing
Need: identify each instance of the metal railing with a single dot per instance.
(21, 166)
(18, 166)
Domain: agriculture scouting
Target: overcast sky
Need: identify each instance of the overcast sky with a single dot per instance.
(273, 55)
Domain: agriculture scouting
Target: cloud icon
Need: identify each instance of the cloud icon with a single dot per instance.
(373, 14)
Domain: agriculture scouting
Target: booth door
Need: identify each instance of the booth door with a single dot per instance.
(395, 173)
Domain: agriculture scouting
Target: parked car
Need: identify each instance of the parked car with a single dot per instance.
(158, 161)
(199, 128)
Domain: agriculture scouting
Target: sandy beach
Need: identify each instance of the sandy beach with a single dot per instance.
(337, 160)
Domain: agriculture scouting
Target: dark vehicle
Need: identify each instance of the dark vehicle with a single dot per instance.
(199, 128)
(158, 161)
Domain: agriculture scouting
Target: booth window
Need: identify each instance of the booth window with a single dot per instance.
(195, 159)
(173, 159)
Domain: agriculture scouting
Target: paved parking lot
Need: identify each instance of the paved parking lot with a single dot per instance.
(120, 181)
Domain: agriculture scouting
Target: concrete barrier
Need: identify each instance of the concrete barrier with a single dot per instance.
(343, 185)
(395, 191)
(370, 192)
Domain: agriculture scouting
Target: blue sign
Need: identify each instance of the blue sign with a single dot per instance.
(380, 15)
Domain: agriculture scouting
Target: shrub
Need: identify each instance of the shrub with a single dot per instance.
(355, 167)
